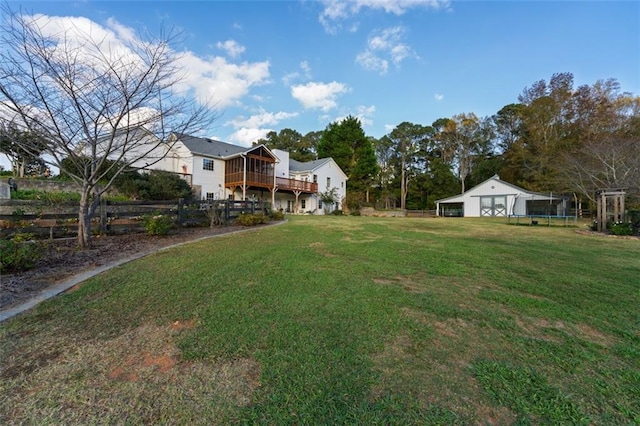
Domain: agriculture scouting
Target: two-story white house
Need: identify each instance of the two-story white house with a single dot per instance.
(219, 170)
(324, 175)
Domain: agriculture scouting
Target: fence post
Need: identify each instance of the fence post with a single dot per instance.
(226, 210)
(103, 216)
(253, 207)
(180, 217)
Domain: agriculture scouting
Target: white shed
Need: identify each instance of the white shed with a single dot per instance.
(495, 197)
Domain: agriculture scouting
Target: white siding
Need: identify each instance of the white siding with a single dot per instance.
(282, 168)
(338, 180)
(209, 180)
(515, 197)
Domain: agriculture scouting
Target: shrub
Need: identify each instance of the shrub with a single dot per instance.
(251, 219)
(157, 224)
(355, 213)
(276, 215)
(620, 228)
(18, 254)
(634, 218)
(154, 185)
(337, 212)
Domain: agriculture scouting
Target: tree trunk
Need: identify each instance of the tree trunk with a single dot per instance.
(85, 213)
(84, 221)
(403, 186)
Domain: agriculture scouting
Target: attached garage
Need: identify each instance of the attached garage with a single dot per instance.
(496, 198)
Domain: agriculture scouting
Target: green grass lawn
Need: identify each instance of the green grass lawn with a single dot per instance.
(342, 320)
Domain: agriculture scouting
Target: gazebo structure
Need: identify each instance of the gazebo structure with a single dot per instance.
(610, 207)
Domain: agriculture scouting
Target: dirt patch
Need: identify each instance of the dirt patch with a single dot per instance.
(592, 335)
(139, 375)
(321, 249)
(62, 259)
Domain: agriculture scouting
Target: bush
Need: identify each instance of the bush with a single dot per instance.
(157, 224)
(18, 254)
(155, 185)
(251, 219)
(620, 228)
(355, 213)
(55, 197)
(337, 212)
(634, 218)
(276, 215)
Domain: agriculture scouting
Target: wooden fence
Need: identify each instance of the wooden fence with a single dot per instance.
(61, 220)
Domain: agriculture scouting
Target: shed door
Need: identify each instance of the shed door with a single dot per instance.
(493, 206)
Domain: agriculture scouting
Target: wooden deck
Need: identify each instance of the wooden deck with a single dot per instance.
(285, 184)
(258, 180)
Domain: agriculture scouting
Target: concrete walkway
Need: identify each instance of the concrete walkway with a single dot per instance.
(49, 292)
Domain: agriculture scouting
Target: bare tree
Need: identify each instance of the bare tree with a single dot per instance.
(101, 102)
(605, 163)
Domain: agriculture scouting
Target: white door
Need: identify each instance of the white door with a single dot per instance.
(493, 205)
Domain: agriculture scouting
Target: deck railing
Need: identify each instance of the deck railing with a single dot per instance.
(266, 181)
(296, 185)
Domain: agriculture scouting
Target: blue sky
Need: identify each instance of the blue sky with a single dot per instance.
(304, 64)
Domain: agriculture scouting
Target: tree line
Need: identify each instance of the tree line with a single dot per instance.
(90, 110)
(556, 138)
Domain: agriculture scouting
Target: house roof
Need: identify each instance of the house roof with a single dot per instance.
(210, 147)
(307, 166)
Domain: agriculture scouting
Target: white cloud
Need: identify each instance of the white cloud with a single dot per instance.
(288, 79)
(319, 95)
(369, 61)
(364, 115)
(438, 96)
(336, 11)
(245, 136)
(88, 39)
(218, 80)
(210, 79)
(304, 65)
(248, 130)
(383, 46)
(232, 48)
(261, 119)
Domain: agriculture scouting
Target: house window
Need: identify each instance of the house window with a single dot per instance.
(315, 178)
(211, 196)
(207, 164)
(342, 184)
(328, 182)
(319, 204)
(304, 204)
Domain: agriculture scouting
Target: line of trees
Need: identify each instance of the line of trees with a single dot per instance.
(94, 109)
(555, 138)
